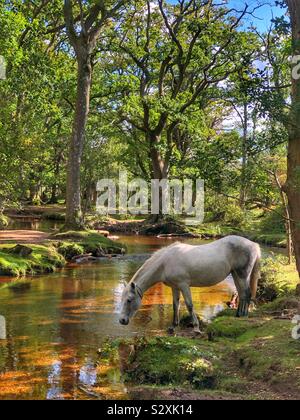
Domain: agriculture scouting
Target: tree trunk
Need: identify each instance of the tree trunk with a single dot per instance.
(288, 226)
(159, 171)
(293, 180)
(54, 188)
(243, 189)
(74, 219)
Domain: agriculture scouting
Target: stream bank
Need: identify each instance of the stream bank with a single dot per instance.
(254, 358)
(54, 252)
(57, 322)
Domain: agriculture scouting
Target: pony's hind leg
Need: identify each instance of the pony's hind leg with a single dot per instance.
(241, 281)
(186, 291)
(176, 307)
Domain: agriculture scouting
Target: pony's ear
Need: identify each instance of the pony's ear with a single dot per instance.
(132, 286)
(124, 283)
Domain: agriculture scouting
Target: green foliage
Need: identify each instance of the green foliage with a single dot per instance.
(234, 215)
(69, 250)
(273, 222)
(275, 279)
(3, 221)
(174, 361)
(249, 359)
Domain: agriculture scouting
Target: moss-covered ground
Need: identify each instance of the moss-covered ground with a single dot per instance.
(55, 253)
(43, 259)
(254, 358)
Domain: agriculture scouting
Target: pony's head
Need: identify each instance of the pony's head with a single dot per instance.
(130, 303)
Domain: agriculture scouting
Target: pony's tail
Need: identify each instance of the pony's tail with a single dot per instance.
(255, 275)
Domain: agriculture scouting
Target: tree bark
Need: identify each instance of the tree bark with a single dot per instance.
(288, 226)
(83, 40)
(74, 219)
(159, 171)
(292, 187)
(243, 188)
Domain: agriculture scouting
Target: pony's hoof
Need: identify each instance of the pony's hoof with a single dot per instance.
(243, 309)
(198, 333)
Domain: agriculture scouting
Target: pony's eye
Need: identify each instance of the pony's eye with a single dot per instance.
(128, 301)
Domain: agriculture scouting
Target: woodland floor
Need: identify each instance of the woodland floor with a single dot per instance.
(23, 236)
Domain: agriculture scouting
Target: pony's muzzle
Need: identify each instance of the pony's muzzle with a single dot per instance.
(124, 321)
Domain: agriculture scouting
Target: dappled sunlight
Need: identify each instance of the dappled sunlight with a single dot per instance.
(56, 326)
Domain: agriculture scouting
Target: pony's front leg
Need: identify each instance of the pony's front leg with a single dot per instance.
(186, 291)
(176, 307)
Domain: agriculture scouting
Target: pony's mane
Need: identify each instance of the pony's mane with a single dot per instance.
(160, 252)
(154, 258)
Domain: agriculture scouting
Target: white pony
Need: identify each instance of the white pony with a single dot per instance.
(181, 266)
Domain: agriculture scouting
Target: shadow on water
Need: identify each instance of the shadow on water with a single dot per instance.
(57, 322)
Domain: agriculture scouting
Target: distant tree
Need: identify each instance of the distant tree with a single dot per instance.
(171, 55)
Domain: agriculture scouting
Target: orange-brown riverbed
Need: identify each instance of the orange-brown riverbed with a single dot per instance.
(56, 323)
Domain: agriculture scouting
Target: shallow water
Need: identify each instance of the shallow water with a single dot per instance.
(56, 323)
(34, 223)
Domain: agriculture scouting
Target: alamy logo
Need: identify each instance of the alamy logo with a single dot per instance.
(296, 329)
(2, 68)
(177, 197)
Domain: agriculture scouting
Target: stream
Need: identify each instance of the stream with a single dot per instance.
(57, 322)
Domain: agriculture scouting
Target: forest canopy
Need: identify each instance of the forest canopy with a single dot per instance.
(161, 89)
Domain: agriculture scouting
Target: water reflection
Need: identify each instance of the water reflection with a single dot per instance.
(57, 322)
(34, 223)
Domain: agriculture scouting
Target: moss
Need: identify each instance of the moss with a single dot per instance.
(248, 359)
(44, 259)
(91, 242)
(69, 250)
(232, 327)
(270, 354)
(172, 360)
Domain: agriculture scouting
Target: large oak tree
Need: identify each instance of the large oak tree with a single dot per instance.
(83, 34)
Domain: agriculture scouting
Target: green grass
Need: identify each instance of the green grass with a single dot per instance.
(231, 327)
(44, 259)
(89, 242)
(242, 358)
(171, 360)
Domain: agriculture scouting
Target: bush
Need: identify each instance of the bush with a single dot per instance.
(273, 222)
(3, 221)
(234, 215)
(272, 284)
